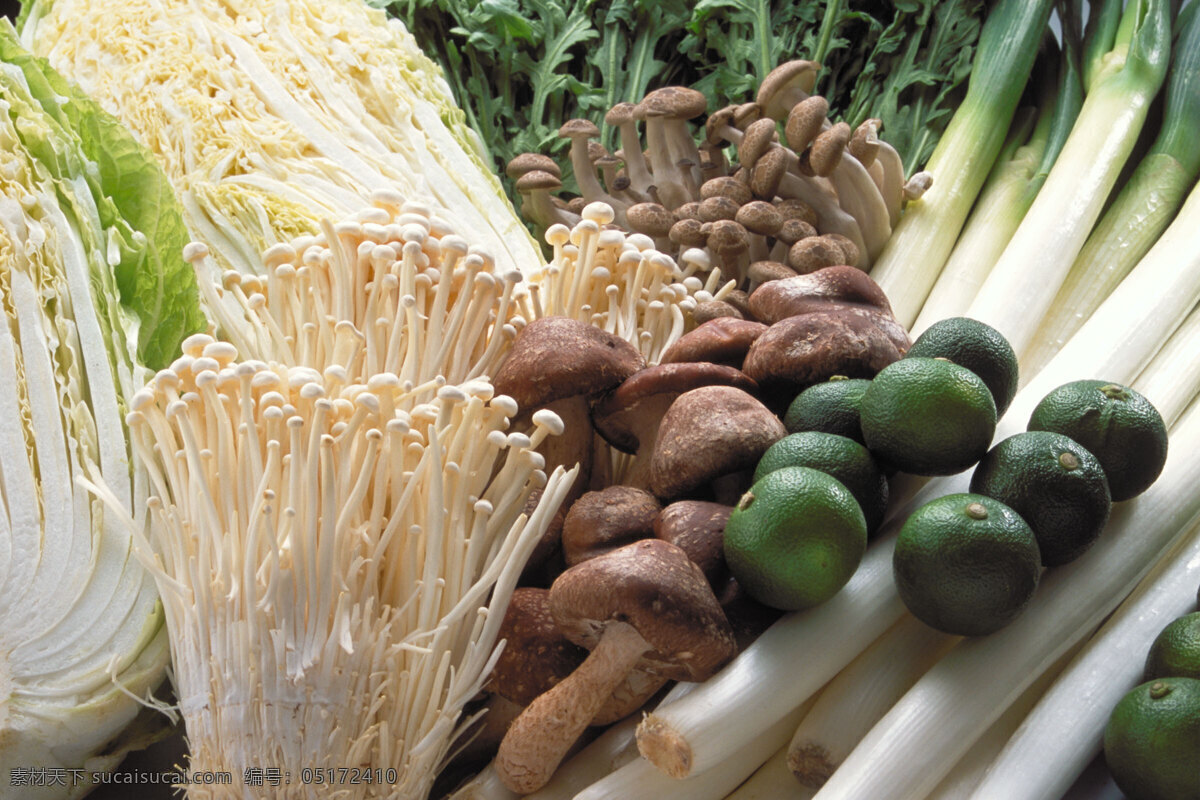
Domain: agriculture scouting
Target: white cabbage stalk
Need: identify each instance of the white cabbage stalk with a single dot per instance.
(333, 559)
(269, 116)
(81, 631)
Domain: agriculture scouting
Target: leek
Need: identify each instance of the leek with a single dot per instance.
(1022, 283)
(921, 243)
(1142, 209)
(763, 681)
(1066, 728)
(954, 703)
(1015, 181)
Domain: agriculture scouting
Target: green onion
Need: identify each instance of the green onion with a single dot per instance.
(1015, 181)
(921, 243)
(1142, 210)
(1021, 286)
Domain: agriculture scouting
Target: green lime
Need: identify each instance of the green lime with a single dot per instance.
(1176, 650)
(1121, 427)
(1056, 485)
(831, 407)
(927, 416)
(976, 346)
(795, 538)
(844, 459)
(1152, 741)
(966, 564)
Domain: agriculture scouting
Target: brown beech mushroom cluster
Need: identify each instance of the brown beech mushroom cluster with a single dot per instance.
(770, 188)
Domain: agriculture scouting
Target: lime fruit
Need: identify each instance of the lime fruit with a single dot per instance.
(966, 564)
(1152, 741)
(1121, 427)
(795, 538)
(830, 407)
(976, 346)
(843, 458)
(927, 416)
(1056, 485)
(1176, 650)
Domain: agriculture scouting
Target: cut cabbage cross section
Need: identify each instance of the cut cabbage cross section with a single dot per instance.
(82, 635)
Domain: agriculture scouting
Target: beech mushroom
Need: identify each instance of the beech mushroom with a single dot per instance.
(785, 86)
(643, 604)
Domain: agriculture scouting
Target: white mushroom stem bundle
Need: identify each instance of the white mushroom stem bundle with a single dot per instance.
(392, 290)
(333, 559)
(620, 283)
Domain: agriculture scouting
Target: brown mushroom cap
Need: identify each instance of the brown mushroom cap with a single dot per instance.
(763, 271)
(675, 101)
(720, 341)
(804, 122)
(778, 300)
(537, 179)
(578, 127)
(709, 310)
(813, 253)
(698, 527)
(652, 219)
(688, 232)
(528, 162)
(768, 173)
(708, 433)
(802, 350)
(604, 520)
(773, 92)
(716, 208)
(759, 217)
(537, 654)
(628, 416)
(794, 208)
(557, 357)
(725, 186)
(727, 237)
(755, 141)
(619, 114)
(827, 149)
(793, 230)
(654, 587)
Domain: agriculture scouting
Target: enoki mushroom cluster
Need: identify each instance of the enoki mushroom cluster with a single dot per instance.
(329, 554)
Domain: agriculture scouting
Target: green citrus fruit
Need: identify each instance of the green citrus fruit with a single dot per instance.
(795, 538)
(976, 346)
(966, 564)
(830, 407)
(927, 416)
(1121, 428)
(1057, 486)
(1176, 650)
(844, 459)
(1152, 741)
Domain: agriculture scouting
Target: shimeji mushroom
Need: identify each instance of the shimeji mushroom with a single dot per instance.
(394, 290)
(332, 558)
(643, 604)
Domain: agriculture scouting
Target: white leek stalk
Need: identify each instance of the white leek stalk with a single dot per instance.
(961, 781)
(1016, 179)
(773, 780)
(862, 693)
(1142, 210)
(917, 743)
(640, 779)
(1170, 380)
(1064, 731)
(803, 650)
(1021, 286)
(920, 244)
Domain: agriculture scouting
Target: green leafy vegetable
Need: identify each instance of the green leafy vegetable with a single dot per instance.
(520, 68)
